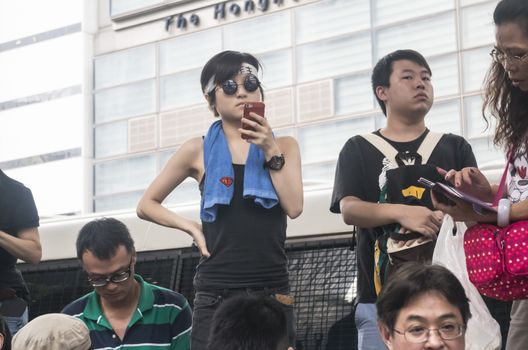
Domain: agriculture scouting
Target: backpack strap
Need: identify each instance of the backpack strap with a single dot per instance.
(426, 147)
(383, 146)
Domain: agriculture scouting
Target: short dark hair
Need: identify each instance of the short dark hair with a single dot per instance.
(4, 330)
(225, 65)
(102, 237)
(415, 279)
(383, 69)
(249, 323)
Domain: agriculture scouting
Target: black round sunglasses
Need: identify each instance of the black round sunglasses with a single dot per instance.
(230, 87)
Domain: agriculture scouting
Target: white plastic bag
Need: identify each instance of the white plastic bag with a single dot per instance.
(483, 332)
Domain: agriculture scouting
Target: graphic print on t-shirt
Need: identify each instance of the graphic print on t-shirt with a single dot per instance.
(518, 179)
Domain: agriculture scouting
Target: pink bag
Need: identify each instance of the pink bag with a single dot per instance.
(497, 257)
(497, 260)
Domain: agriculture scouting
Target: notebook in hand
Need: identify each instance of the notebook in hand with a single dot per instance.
(445, 192)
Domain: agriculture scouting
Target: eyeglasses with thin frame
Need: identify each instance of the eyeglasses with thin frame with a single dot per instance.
(114, 278)
(419, 334)
(502, 57)
(230, 87)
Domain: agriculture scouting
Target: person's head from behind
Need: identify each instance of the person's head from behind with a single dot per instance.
(506, 85)
(53, 332)
(5, 335)
(106, 251)
(423, 307)
(401, 82)
(229, 79)
(249, 323)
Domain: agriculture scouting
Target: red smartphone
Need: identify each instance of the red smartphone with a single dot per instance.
(255, 107)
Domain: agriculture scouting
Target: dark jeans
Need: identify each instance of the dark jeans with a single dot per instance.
(206, 303)
(15, 313)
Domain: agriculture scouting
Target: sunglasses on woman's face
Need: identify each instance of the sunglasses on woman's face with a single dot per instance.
(230, 87)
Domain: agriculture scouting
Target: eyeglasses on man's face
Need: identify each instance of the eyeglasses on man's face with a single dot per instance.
(502, 57)
(420, 334)
(119, 277)
(230, 87)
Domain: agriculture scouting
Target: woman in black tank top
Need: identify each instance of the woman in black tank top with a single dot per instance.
(250, 183)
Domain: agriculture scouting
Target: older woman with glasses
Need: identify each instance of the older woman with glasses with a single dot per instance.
(506, 97)
(423, 307)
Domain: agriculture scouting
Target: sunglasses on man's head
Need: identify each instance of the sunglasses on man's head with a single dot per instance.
(230, 87)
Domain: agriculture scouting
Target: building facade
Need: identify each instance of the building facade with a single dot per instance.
(317, 58)
(136, 94)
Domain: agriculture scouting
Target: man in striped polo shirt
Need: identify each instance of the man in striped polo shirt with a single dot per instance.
(124, 312)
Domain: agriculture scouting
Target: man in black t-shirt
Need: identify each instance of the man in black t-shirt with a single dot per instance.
(19, 239)
(402, 84)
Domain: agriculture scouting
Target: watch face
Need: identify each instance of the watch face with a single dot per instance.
(275, 163)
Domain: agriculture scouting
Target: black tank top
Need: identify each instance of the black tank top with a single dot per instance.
(246, 242)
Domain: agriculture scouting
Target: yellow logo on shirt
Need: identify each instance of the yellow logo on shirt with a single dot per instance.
(413, 191)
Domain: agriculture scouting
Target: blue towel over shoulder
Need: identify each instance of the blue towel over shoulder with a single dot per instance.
(219, 175)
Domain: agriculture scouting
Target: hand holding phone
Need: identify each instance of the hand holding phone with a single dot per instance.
(255, 107)
(443, 192)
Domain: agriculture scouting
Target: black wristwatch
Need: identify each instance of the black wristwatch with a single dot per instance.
(275, 163)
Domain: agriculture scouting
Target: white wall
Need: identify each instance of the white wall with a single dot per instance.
(58, 235)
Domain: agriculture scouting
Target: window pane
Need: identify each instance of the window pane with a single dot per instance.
(317, 174)
(183, 53)
(118, 201)
(331, 18)
(353, 94)
(118, 7)
(445, 75)
(444, 117)
(124, 175)
(186, 192)
(125, 66)
(381, 119)
(388, 11)
(284, 132)
(477, 25)
(476, 63)
(125, 101)
(471, 2)
(41, 128)
(324, 141)
(333, 57)
(44, 180)
(476, 125)
(23, 18)
(261, 34)
(182, 124)
(486, 153)
(279, 107)
(180, 90)
(38, 68)
(277, 69)
(111, 139)
(165, 156)
(430, 36)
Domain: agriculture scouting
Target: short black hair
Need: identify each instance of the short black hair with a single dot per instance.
(249, 323)
(225, 65)
(4, 330)
(102, 237)
(383, 70)
(414, 279)
(512, 11)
